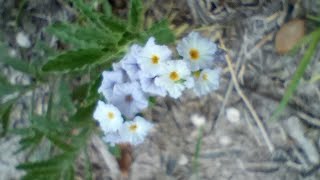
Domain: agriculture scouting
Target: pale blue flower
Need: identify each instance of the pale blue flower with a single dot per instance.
(129, 62)
(109, 80)
(135, 131)
(108, 116)
(175, 78)
(148, 85)
(206, 81)
(198, 51)
(129, 98)
(152, 57)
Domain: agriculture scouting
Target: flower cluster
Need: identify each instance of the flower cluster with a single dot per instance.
(151, 71)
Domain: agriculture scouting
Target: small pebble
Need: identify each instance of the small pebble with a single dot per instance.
(233, 115)
(198, 120)
(225, 140)
(289, 35)
(183, 160)
(22, 40)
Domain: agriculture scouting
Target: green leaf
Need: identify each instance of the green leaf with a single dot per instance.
(5, 111)
(73, 60)
(136, 13)
(30, 141)
(6, 88)
(91, 34)
(297, 75)
(107, 9)
(92, 16)
(59, 142)
(314, 18)
(92, 94)
(114, 24)
(83, 115)
(161, 32)
(66, 33)
(58, 162)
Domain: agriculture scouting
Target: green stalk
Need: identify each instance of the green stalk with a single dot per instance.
(297, 75)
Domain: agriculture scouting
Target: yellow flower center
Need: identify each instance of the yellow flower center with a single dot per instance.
(194, 54)
(133, 128)
(110, 115)
(205, 77)
(155, 59)
(174, 76)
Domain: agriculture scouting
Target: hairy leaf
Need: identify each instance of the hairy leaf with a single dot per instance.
(66, 33)
(73, 60)
(135, 15)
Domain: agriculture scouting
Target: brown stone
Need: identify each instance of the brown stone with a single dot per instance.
(288, 35)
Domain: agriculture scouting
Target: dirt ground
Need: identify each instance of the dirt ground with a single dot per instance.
(236, 144)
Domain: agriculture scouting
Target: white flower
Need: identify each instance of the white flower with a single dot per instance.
(109, 80)
(152, 57)
(197, 51)
(206, 81)
(129, 62)
(108, 116)
(175, 78)
(129, 98)
(135, 131)
(148, 85)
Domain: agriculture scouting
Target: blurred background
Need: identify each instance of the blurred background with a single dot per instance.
(227, 134)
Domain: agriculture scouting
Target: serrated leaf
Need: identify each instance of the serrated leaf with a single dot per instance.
(135, 15)
(73, 60)
(29, 141)
(49, 174)
(90, 34)
(58, 162)
(59, 142)
(66, 33)
(161, 32)
(91, 15)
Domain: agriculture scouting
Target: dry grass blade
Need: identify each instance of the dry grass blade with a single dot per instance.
(245, 99)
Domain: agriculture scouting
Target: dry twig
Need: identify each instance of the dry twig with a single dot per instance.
(245, 99)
